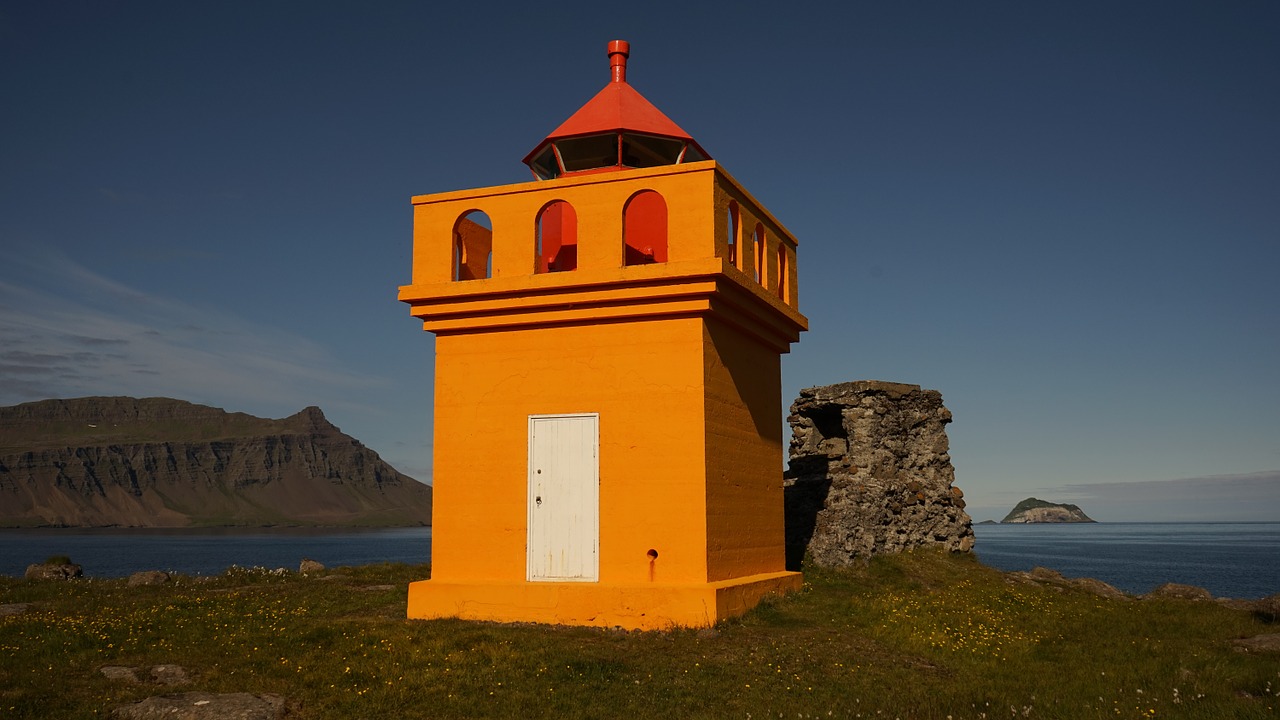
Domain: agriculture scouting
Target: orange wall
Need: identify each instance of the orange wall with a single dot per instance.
(745, 533)
(643, 379)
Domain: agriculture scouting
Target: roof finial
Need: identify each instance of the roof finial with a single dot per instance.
(618, 52)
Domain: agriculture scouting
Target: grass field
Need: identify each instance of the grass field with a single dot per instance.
(921, 635)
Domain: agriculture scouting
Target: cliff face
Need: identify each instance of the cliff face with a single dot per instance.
(156, 462)
(870, 473)
(1032, 510)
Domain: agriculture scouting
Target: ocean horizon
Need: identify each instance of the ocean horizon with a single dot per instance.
(120, 552)
(1229, 559)
(1238, 560)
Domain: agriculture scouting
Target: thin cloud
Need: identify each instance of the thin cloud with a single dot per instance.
(96, 341)
(1251, 497)
(97, 336)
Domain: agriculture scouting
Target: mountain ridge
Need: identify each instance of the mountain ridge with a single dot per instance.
(160, 462)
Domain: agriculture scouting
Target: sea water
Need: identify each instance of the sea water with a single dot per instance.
(1240, 560)
(121, 552)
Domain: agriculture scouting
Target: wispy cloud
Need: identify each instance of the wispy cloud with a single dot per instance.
(68, 331)
(1223, 498)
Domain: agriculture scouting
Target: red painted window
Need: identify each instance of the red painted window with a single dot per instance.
(644, 229)
(557, 238)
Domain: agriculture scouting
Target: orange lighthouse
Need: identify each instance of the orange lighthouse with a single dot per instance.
(608, 419)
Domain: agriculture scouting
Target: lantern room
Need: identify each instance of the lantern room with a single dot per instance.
(608, 438)
(617, 129)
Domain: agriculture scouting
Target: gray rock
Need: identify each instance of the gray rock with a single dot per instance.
(62, 571)
(121, 673)
(1260, 643)
(870, 473)
(1267, 609)
(1177, 591)
(208, 706)
(14, 608)
(1097, 587)
(160, 674)
(1044, 574)
(148, 577)
(169, 674)
(1045, 577)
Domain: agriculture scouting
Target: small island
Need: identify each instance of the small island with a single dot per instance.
(1033, 510)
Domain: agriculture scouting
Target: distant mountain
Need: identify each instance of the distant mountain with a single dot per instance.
(158, 462)
(1032, 510)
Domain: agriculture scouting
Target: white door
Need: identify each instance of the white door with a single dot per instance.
(564, 498)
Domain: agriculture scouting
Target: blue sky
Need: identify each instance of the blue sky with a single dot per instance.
(1063, 216)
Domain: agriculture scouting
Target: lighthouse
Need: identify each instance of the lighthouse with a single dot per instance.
(608, 441)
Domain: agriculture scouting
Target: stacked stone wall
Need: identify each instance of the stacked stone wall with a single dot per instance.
(870, 474)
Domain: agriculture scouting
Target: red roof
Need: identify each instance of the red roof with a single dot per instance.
(617, 108)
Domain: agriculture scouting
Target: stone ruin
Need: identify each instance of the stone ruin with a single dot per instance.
(869, 474)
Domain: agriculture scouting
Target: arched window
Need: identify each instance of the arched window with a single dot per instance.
(733, 233)
(757, 239)
(472, 247)
(783, 286)
(557, 238)
(644, 229)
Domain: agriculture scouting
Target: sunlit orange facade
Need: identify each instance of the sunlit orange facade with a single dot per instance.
(615, 334)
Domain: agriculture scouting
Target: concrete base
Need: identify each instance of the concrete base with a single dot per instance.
(633, 607)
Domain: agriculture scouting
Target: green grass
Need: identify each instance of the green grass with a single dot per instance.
(921, 635)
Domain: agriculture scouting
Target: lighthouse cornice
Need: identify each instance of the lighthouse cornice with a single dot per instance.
(709, 288)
